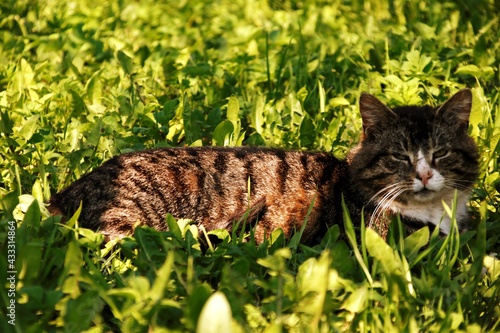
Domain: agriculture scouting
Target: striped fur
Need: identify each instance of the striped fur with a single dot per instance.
(213, 186)
(275, 188)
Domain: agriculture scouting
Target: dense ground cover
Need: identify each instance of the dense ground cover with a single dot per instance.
(81, 82)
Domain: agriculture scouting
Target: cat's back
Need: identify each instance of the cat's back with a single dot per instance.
(210, 185)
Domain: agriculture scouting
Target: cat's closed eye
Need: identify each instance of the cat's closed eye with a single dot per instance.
(400, 157)
(440, 154)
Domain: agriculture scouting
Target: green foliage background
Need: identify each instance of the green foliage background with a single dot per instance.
(82, 81)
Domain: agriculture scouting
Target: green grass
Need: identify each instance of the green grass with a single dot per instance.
(81, 82)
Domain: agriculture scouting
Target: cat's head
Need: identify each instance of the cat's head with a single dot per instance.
(412, 158)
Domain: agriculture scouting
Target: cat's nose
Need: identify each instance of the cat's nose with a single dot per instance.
(424, 176)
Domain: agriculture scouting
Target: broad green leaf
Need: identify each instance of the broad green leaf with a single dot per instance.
(479, 249)
(220, 233)
(167, 113)
(196, 301)
(173, 227)
(257, 113)
(125, 62)
(277, 237)
(338, 101)
(95, 134)
(6, 123)
(222, 132)
(80, 311)
(37, 190)
(94, 88)
(24, 76)
(140, 285)
(8, 204)
(357, 301)
(485, 72)
(307, 132)
(72, 221)
(29, 127)
(415, 242)
(492, 266)
(25, 201)
(35, 293)
(78, 104)
(162, 278)
(274, 328)
(197, 143)
(276, 261)
(72, 267)
(426, 31)
(313, 280)
(379, 249)
(476, 114)
(111, 122)
(31, 265)
(33, 215)
(331, 235)
(233, 109)
(469, 69)
(188, 117)
(90, 238)
(313, 274)
(216, 316)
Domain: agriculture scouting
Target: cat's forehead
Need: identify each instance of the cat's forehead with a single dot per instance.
(415, 114)
(417, 126)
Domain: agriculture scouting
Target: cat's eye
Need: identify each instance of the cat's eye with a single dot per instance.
(440, 153)
(400, 157)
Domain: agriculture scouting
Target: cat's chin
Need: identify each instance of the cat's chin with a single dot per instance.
(424, 195)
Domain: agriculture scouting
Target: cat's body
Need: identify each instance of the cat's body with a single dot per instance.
(213, 186)
(409, 161)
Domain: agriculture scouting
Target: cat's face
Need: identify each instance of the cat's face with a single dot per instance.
(413, 157)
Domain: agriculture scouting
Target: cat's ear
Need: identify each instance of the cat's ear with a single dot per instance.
(375, 114)
(457, 108)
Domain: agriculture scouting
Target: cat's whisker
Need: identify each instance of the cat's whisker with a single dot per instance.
(406, 186)
(457, 187)
(385, 202)
(460, 181)
(458, 184)
(387, 188)
(382, 200)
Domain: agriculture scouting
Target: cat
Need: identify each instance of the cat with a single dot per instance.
(408, 161)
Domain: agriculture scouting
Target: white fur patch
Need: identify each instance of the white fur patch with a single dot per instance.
(428, 207)
(433, 211)
(429, 178)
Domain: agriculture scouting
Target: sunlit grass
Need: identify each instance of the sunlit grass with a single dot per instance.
(80, 83)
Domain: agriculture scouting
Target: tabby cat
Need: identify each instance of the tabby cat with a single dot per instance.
(409, 160)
